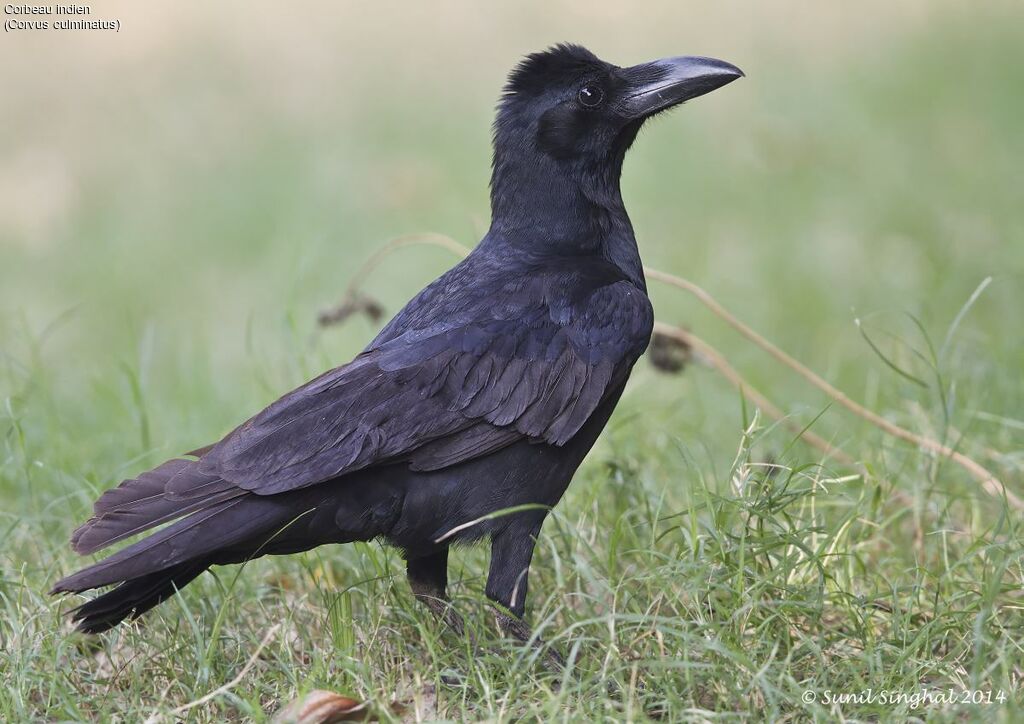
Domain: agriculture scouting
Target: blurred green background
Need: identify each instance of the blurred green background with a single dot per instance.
(188, 193)
(179, 200)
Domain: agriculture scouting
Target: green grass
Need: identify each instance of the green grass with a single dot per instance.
(703, 565)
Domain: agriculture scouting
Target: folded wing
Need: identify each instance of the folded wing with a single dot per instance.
(444, 393)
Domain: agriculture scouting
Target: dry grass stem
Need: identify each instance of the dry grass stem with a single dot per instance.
(231, 684)
(988, 481)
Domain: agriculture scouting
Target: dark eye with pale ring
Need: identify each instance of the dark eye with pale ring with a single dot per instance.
(590, 95)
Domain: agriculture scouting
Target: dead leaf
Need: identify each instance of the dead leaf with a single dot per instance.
(321, 707)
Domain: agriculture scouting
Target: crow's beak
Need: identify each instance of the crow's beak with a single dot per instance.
(664, 83)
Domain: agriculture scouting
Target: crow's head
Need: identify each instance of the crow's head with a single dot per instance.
(571, 106)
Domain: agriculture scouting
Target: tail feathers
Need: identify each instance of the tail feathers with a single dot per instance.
(224, 525)
(211, 521)
(147, 501)
(110, 528)
(135, 597)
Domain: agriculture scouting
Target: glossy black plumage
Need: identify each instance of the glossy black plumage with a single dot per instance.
(485, 392)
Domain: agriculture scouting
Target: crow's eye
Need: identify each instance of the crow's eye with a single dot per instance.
(591, 95)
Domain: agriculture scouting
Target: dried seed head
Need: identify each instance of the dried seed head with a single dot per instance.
(669, 354)
(357, 303)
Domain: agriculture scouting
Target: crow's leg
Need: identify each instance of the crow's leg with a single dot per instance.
(511, 552)
(428, 579)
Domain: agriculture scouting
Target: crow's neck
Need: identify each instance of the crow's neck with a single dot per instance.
(542, 207)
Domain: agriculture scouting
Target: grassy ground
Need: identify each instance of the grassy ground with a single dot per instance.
(163, 258)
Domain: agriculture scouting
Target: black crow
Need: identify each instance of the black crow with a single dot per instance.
(482, 395)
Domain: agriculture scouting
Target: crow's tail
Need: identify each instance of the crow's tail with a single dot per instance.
(134, 597)
(152, 569)
(211, 522)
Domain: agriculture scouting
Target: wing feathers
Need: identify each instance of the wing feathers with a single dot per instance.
(448, 391)
(165, 493)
